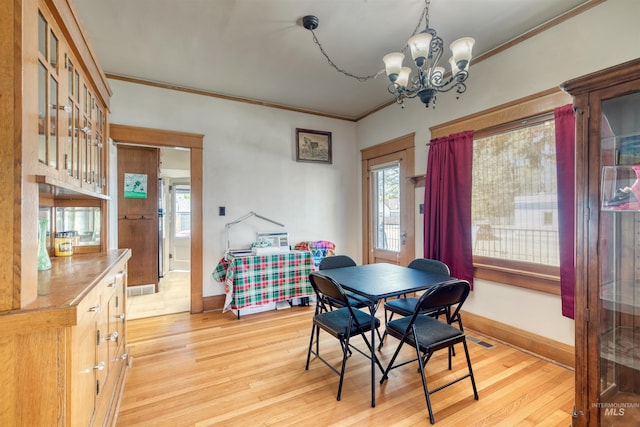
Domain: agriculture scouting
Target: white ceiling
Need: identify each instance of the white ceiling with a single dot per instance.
(258, 49)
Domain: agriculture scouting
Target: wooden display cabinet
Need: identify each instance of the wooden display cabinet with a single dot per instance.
(607, 292)
(72, 119)
(63, 330)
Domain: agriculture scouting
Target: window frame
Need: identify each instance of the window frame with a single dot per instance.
(521, 274)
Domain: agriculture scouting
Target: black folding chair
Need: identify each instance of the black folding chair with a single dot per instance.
(343, 324)
(339, 261)
(428, 334)
(405, 306)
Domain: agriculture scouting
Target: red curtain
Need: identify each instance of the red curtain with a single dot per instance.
(447, 203)
(565, 169)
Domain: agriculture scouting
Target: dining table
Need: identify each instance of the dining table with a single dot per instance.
(377, 282)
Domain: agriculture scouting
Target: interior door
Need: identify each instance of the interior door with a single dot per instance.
(138, 211)
(389, 202)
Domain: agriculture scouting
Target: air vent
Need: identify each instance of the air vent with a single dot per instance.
(141, 290)
(480, 342)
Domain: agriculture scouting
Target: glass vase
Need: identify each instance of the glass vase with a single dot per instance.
(44, 262)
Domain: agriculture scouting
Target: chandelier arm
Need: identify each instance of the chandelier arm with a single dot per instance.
(455, 81)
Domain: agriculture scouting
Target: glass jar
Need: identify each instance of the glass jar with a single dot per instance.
(63, 244)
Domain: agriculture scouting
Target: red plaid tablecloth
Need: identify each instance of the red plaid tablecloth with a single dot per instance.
(255, 280)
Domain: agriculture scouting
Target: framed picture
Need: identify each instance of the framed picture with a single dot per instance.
(135, 186)
(313, 146)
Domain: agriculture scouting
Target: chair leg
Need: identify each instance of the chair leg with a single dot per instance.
(473, 381)
(345, 346)
(311, 345)
(452, 349)
(421, 365)
(385, 375)
(384, 335)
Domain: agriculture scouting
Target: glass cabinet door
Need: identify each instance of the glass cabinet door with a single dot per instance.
(48, 102)
(618, 302)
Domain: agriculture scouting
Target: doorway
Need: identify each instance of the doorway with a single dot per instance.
(388, 202)
(191, 146)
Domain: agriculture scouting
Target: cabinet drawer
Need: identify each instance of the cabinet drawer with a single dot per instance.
(109, 332)
(83, 360)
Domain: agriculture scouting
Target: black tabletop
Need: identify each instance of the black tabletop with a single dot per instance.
(382, 280)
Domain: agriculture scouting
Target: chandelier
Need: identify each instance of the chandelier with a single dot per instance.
(426, 50)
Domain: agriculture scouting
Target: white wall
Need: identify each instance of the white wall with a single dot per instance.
(249, 165)
(605, 35)
(249, 155)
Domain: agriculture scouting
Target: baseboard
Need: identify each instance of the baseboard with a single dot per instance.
(213, 303)
(549, 349)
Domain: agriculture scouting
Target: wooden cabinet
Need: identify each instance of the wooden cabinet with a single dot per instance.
(62, 331)
(65, 354)
(607, 292)
(72, 119)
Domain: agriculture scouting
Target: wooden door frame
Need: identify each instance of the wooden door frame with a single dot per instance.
(194, 142)
(406, 145)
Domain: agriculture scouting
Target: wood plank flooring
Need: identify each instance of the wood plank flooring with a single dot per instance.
(213, 369)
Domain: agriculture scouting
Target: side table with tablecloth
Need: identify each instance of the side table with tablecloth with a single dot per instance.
(264, 279)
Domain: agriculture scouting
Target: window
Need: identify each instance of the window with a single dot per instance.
(514, 196)
(183, 211)
(387, 207)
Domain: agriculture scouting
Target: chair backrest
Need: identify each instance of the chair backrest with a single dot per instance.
(326, 286)
(430, 265)
(442, 296)
(336, 261)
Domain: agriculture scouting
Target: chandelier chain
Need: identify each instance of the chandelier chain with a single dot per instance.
(346, 73)
(424, 16)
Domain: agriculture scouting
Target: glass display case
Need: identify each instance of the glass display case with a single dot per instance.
(607, 291)
(619, 259)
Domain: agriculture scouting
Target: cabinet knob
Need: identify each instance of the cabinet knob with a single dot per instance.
(117, 279)
(100, 366)
(113, 337)
(95, 309)
(121, 316)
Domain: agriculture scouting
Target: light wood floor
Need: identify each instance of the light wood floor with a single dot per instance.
(212, 369)
(173, 296)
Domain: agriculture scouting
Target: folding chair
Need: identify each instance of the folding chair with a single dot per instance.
(343, 324)
(405, 306)
(428, 334)
(339, 261)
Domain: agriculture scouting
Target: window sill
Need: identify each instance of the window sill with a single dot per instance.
(542, 282)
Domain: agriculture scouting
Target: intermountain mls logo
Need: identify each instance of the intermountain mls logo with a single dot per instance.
(616, 409)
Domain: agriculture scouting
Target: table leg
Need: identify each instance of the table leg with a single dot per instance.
(372, 310)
